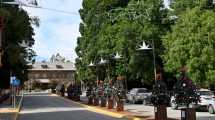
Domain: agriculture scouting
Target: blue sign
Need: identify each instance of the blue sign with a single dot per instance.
(14, 81)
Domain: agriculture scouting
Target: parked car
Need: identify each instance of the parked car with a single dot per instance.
(205, 98)
(139, 95)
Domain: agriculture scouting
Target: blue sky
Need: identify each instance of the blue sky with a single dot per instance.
(58, 32)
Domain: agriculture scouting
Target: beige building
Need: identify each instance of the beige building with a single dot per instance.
(54, 71)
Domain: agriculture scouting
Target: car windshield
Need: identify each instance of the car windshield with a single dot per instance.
(207, 93)
(142, 90)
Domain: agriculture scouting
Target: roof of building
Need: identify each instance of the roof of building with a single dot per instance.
(53, 66)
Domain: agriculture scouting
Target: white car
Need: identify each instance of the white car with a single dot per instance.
(138, 95)
(205, 97)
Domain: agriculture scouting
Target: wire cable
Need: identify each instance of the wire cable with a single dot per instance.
(51, 9)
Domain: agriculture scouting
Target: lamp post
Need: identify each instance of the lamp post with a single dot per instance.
(146, 47)
(101, 86)
(118, 57)
(119, 89)
(91, 92)
(159, 95)
(109, 86)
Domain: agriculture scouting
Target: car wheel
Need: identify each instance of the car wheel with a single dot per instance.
(173, 105)
(211, 109)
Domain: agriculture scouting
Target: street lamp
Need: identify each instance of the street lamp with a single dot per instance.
(146, 47)
(121, 88)
(91, 90)
(117, 56)
(159, 94)
(92, 65)
(102, 86)
(102, 61)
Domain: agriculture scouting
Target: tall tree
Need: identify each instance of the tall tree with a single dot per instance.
(17, 42)
(95, 16)
(111, 26)
(191, 42)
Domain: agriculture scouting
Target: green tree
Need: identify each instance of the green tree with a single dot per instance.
(191, 44)
(111, 26)
(90, 48)
(180, 6)
(17, 42)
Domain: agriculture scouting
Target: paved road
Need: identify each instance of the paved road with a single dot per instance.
(42, 106)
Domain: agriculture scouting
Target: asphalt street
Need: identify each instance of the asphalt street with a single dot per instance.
(42, 106)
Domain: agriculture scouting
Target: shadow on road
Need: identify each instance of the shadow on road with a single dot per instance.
(43, 106)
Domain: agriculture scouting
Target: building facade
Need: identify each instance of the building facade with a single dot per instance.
(54, 71)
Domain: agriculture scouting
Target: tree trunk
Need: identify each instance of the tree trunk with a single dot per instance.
(188, 114)
(160, 112)
(5, 78)
(103, 102)
(95, 101)
(90, 101)
(119, 106)
(110, 103)
(77, 98)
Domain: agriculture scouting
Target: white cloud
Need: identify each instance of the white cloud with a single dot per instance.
(58, 31)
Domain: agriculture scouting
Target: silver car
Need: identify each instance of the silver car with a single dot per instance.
(138, 95)
(205, 97)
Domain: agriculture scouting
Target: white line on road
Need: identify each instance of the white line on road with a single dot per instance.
(53, 109)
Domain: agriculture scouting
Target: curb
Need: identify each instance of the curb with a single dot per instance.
(18, 108)
(11, 110)
(102, 111)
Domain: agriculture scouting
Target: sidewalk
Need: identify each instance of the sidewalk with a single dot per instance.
(7, 116)
(7, 112)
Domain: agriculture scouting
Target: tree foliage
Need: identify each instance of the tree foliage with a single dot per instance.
(111, 26)
(17, 42)
(191, 42)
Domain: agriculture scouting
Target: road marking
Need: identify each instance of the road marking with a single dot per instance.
(50, 109)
